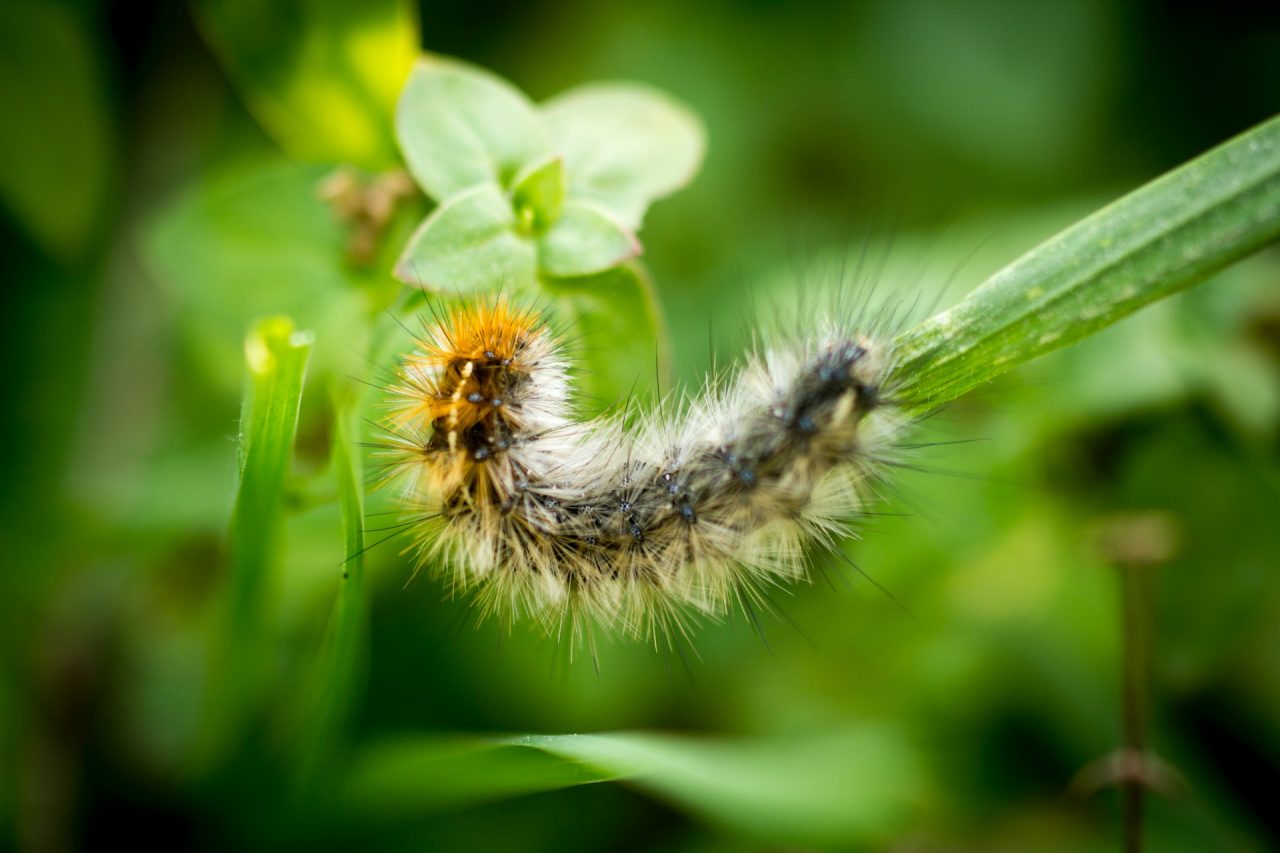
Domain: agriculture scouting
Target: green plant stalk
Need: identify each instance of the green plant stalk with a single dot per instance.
(276, 356)
(1164, 237)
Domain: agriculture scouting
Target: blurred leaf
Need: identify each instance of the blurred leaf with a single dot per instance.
(12, 711)
(585, 240)
(322, 77)
(538, 196)
(625, 144)
(460, 126)
(256, 241)
(825, 788)
(833, 787)
(469, 243)
(1164, 237)
(56, 146)
(1010, 86)
(423, 775)
(276, 356)
(617, 322)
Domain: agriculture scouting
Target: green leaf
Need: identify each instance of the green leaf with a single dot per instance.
(467, 135)
(1164, 237)
(625, 145)
(276, 356)
(838, 787)
(469, 243)
(538, 196)
(321, 77)
(257, 240)
(618, 324)
(322, 708)
(56, 146)
(460, 126)
(585, 240)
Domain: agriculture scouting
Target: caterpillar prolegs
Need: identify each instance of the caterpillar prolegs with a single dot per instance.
(539, 513)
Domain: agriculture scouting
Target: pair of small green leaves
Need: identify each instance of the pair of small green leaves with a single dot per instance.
(526, 193)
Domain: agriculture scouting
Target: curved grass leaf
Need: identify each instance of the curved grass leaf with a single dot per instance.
(1164, 237)
(414, 776)
(834, 787)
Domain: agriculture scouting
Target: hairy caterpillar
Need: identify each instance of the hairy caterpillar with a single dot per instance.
(569, 521)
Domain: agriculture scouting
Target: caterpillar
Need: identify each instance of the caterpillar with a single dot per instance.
(575, 522)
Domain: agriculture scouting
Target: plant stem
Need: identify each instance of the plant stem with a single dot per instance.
(1168, 235)
(1135, 544)
(1133, 596)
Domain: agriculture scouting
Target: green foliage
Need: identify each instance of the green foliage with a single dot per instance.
(57, 148)
(537, 195)
(406, 777)
(615, 321)
(461, 127)
(526, 195)
(624, 145)
(319, 714)
(322, 77)
(276, 356)
(471, 242)
(1171, 234)
(339, 701)
(835, 787)
(257, 239)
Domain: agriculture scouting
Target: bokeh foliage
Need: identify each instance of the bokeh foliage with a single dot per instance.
(163, 193)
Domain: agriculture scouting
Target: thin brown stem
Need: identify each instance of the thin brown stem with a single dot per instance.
(1135, 544)
(1133, 595)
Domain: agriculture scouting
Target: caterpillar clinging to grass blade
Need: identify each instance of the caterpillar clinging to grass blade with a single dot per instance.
(574, 522)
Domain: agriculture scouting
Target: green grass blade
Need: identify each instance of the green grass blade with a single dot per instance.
(276, 356)
(352, 617)
(323, 706)
(1164, 237)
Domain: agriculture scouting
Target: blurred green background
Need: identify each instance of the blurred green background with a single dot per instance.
(158, 183)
